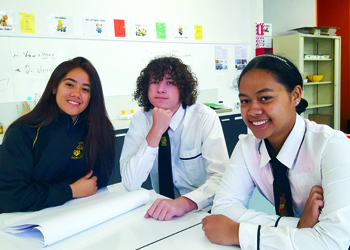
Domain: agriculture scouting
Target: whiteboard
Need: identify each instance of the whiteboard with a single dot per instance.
(30, 62)
(6, 79)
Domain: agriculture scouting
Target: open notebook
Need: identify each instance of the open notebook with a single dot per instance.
(53, 224)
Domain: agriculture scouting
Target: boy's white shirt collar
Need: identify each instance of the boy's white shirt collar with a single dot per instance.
(290, 147)
(177, 117)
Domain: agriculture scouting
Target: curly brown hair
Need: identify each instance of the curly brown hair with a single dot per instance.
(185, 80)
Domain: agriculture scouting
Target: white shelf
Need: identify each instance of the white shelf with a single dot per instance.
(318, 60)
(317, 83)
(294, 47)
(316, 106)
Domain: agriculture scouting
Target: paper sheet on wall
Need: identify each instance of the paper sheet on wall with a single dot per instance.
(60, 24)
(259, 35)
(180, 31)
(141, 29)
(27, 22)
(119, 28)
(160, 27)
(221, 58)
(241, 59)
(198, 32)
(6, 21)
(58, 223)
(95, 26)
(268, 35)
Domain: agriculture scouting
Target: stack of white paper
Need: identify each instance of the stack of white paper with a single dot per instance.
(60, 222)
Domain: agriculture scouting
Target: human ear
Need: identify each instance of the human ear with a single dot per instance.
(296, 94)
(54, 91)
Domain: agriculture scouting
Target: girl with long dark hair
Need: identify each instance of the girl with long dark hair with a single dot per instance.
(64, 148)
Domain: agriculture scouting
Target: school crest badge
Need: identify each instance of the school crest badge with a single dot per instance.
(282, 208)
(78, 151)
(163, 141)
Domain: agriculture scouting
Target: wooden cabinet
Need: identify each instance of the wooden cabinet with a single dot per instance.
(324, 96)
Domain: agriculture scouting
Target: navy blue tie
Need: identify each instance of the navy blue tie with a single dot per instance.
(165, 173)
(281, 186)
(281, 189)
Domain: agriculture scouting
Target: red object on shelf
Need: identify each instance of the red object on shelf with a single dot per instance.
(348, 136)
(263, 51)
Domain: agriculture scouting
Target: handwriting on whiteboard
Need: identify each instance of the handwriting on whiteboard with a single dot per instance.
(41, 55)
(36, 63)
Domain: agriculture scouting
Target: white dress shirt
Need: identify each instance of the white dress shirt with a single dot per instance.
(322, 159)
(198, 153)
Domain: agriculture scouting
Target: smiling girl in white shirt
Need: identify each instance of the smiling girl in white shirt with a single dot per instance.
(316, 161)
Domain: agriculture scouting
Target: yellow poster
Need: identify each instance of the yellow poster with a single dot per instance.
(27, 22)
(198, 34)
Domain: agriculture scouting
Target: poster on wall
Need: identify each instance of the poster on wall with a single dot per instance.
(140, 29)
(161, 32)
(241, 59)
(60, 24)
(198, 32)
(119, 28)
(180, 31)
(259, 34)
(95, 26)
(268, 35)
(27, 22)
(221, 58)
(6, 21)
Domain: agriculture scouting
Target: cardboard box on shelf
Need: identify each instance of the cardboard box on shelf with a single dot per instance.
(321, 119)
(322, 30)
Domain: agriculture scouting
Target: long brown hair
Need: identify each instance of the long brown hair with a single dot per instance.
(100, 140)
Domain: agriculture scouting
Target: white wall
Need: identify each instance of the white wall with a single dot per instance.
(224, 22)
(289, 14)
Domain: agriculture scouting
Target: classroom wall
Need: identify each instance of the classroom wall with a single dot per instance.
(225, 22)
(337, 14)
(285, 14)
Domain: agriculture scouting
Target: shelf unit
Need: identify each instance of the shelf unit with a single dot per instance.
(324, 96)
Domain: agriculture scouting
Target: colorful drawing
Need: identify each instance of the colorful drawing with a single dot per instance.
(140, 29)
(180, 31)
(60, 27)
(6, 21)
(99, 27)
(3, 19)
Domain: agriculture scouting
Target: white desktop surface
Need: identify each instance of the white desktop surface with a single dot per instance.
(192, 238)
(127, 231)
(124, 123)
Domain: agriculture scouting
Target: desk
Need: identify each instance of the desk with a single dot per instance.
(127, 231)
(124, 123)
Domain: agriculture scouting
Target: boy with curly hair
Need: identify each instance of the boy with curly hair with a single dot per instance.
(167, 91)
